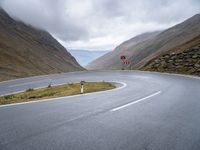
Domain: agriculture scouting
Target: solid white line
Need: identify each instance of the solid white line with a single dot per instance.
(72, 96)
(137, 101)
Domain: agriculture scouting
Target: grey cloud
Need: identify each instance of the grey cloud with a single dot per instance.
(109, 8)
(96, 22)
(160, 11)
(49, 15)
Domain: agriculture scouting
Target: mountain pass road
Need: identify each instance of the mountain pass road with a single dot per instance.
(147, 111)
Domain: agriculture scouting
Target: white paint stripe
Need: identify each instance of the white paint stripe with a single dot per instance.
(72, 96)
(137, 101)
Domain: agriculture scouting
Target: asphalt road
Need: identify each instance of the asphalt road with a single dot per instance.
(149, 112)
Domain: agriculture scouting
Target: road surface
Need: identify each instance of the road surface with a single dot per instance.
(149, 112)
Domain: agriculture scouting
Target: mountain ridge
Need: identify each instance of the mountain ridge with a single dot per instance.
(187, 30)
(27, 51)
(118, 51)
(141, 53)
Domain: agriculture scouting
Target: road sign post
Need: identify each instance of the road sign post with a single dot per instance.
(124, 62)
(123, 58)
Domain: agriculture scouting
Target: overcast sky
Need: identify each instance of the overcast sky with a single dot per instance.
(100, 24)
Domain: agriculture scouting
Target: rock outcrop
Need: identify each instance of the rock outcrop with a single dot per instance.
(185, 62)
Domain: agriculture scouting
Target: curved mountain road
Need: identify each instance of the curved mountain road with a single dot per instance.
(152, 112)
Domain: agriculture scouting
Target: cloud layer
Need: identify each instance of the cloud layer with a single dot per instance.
(100, 24)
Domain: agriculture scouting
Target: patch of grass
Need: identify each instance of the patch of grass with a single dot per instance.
(82, 82)
(8, 97)
(29, 90)
(55, 91)
(49, 86)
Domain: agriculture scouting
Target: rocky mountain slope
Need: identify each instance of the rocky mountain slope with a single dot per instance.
(27, 51)
(183, 60)
(141, 53)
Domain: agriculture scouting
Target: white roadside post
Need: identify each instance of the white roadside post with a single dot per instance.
(82, 88)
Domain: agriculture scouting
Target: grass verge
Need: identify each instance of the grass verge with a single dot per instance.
(55, 91)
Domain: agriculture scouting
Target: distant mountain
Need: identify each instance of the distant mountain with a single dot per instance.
(140, 53)
(112, 60)
(27, 51)
(86, 56)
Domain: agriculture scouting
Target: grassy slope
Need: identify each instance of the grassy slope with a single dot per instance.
(55, 91)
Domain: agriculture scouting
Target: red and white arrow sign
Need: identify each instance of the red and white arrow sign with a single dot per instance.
(126, 62)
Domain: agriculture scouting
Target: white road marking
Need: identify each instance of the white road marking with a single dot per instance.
(137, 101)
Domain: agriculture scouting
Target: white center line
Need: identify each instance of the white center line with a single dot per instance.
(137, 101)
